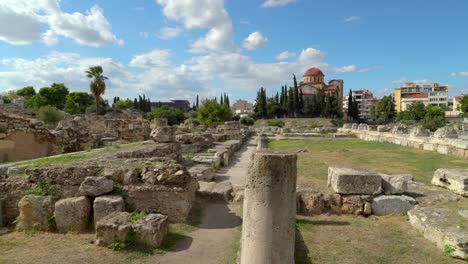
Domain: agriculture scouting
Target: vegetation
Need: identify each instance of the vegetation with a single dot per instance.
(212, 112)
(247, 121)
(143, 104)
(26, 92)
(78, 102)
(174, 116)
(42, 189)
(276, 123)
(385, 110)
(353, 110)
(430, 117)
(97, 85)
(123, 104)
(464, 104)
(137, 216)
(50, 114)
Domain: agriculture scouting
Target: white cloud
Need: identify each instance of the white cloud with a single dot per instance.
(169, 32)
(464, 74)
(364, 70)
(91, 28)
(399, 81)
(254, 40)
(421, 82)
(453, 74)
(154, 58)
(352, 19)
(204, 14)
(285, 55)
(276, 3)
(345, 69)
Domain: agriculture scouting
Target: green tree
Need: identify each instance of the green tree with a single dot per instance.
(50, 114)
(26, 92)
(464, 104)
(386, 110)
(77, 102)
(123, 104)
(434, 118)
(307, 110)
(350, 104)
(98, 84)
(55, 95)
(372, 111)
(211, 112)
(35, 102)
(173, 115)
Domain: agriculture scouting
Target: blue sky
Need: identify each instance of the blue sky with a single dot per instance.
(171, 49)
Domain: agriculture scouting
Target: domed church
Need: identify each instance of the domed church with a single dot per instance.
(314, 84)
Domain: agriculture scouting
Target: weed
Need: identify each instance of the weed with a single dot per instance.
(449, 250)
(51, 222)
(42, 189)
(137, 216)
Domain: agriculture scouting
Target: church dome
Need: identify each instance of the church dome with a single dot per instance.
(314, 72)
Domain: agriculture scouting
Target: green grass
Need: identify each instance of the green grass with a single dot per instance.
(234, 247)
(7, 244)
(379, 157)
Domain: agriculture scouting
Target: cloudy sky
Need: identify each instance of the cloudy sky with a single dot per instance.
(174, 49)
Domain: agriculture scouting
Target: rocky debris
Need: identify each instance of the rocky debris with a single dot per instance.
(149, 230)
(390, 204)
(428, 195)
(132, 176)
(347, 126)
(463, 213)
(35, 212)
(354, 126)
(166, 173)
(160, 122)
(446, 132)
(420, 132)
(354, 181)
(72, 214)
(216, 191)
(96, 186)
(202, 173)
(163, 134)
(455, 180)
(113, 228)
(363, 127)
(105, 205)
(166, 150)
(395, 184)
(262, 142)
(62, 175)
(400, 129)
(354, 204)
(443, 227)
(384, 128)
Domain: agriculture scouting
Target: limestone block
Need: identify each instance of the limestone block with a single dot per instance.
(455, 180)
(420, 132)
(163, 134)
(151, 229)
(395, 184)
(352, 204)
(160, 122)
(35, 212)
(390, 204)
(218, 191)
(354, 126)
(203, 173)
(383, 128)
(113, 228)
(72, 214)
(354, 181)
(442, 227)
(96, 186)
(107, 204)
(363, 126)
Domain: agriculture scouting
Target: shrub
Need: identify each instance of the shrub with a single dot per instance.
(174, 116)
(434, 119)
(247, 121)
(137, 215)
(236, 118)
(42, 189)
(50, 114)
(210, 112)
(123, 104)
(276, 123)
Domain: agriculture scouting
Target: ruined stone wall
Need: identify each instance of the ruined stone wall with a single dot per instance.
(24, 138)
(445, 140)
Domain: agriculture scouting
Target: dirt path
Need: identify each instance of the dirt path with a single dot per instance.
(210, 242)
(237, 171)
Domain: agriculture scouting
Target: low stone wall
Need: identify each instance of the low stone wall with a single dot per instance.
(444, 143)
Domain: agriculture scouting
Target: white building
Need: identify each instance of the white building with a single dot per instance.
(364, 99)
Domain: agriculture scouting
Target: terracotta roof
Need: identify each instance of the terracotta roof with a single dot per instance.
(330, 88)
(314, 72)
(416, 95)
(458, 98)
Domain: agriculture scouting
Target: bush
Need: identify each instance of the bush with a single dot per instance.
(174, 116)
(42, 189)
(77, 102)
(50, 114)
(276, 123)
(236, 118)
(123, 104)
(434, 119)
(247, 121)
(210, 112)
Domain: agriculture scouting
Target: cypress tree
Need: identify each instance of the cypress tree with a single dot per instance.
(295, 81)
(227, 101)
(135, 103)
(290, 102)
(350, 105)
(222, 101)
(301, 100)
(197, 105)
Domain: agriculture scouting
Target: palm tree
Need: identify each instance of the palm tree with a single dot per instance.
(97, 85)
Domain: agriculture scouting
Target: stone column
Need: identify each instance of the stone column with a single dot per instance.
(268, 230)
(262, 142)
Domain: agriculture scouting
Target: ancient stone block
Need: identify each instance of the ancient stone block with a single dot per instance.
(455, 180)
(354, 181)
(395, 184)
(352, 204)
(202, 172)
(216, 191)
(96, 186)
(390, 204)
(35, 212)
(107, 204)
(163, 134)
(151, 229)
(446, 132)
(113, 228)
(73, 214)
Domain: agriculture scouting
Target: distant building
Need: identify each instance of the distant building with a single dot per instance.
(430, 94)
(456, 103)
(313, 84)
(183, 105)
(242, 108)
(364, 99)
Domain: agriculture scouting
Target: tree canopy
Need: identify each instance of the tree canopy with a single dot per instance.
(212, 112)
